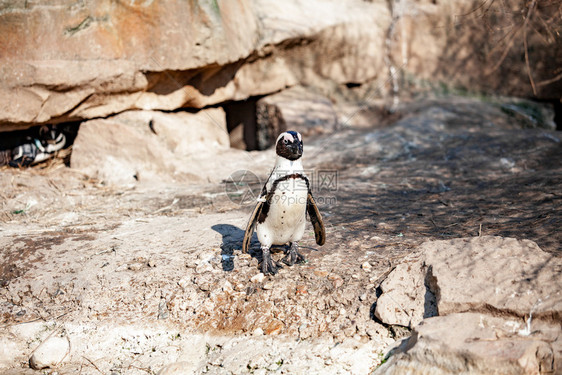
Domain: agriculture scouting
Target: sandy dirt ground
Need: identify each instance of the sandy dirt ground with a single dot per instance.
(142, 279)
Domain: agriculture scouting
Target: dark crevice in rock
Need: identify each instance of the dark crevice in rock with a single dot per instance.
(241, 123)
(431, 294)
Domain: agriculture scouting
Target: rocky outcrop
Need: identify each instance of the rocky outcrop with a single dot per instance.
(93, 59)
(82, 60)
(499, 307)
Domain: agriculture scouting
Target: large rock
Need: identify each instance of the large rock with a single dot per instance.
(487, 274)
(50, 353)
(93, 59)
(494, 274)
(151, 146)
(406, 299)
(474, 343)
(499, 302)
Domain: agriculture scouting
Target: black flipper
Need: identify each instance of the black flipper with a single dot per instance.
(251, 226)
(316, 220)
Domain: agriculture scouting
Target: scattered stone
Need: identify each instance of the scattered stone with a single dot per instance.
(135, 266)
(258, 332)
(184, 282)
(121, 268)
(227, 286)
(206, 256)
(163, 312)
(301, 289)
(204, 282)
(50, 353)
(403, 297)
(366, 266)
(337, 281)
(204, 267)
(258, 278)
(268, 285)
(274, 328)
(320, 273)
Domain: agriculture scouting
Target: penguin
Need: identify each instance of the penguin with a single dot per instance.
(279, 217)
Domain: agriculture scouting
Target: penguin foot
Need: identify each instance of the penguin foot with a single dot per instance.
(293, 256)
(269, 266)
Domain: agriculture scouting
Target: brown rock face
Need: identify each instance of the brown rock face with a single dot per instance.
(93, 59)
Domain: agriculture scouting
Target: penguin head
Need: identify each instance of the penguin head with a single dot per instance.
(289, 145)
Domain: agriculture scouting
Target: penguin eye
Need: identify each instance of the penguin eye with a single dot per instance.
(285, 141)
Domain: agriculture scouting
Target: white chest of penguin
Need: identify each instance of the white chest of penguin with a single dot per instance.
(288, 203)
(287, 212)
(286, 218)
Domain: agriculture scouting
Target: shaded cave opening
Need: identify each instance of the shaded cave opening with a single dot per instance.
(38, 145)
(252, 124)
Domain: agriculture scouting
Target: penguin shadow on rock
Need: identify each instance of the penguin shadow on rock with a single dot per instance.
(232, 237)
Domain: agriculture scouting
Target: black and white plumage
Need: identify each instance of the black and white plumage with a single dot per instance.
(280, 214)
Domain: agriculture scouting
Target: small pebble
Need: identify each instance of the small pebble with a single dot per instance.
(337, 281)
(227, 286)
(121, 268)
(301, 289)
(258, 278)
(367, 266)
(258, 332)
(204, 267)
(135, 266)
(183, 283)
(268, 286)
(163, 312)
